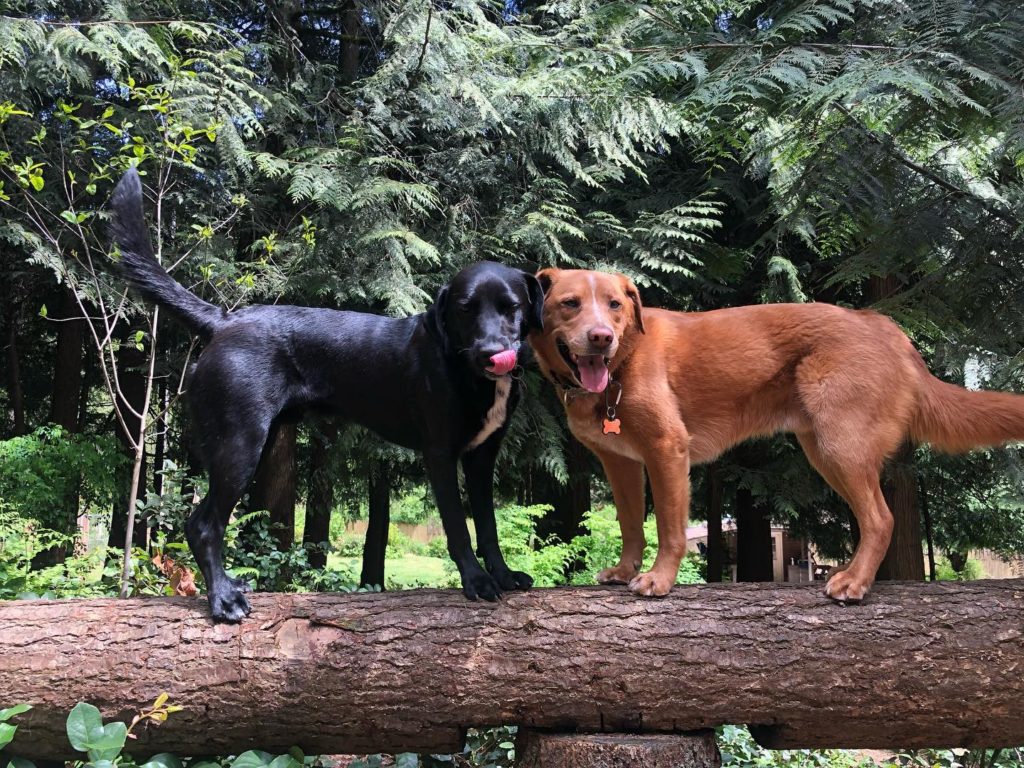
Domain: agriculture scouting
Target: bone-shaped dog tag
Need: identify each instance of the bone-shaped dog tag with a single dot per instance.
(612, 427)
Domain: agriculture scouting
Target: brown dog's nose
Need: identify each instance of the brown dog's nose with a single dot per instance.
(601, 337)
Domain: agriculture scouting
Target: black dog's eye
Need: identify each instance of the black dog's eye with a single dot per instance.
(615, 304)
(571, 303)
(463, 306)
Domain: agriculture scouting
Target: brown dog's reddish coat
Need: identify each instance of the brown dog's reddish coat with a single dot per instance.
(848, 383)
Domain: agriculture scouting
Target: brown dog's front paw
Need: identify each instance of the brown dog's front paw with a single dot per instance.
(620, 574)
(651, 584)
(844, 587)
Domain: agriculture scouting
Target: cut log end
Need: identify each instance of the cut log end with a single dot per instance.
(537, 749)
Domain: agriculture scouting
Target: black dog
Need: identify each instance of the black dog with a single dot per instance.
(426, 382)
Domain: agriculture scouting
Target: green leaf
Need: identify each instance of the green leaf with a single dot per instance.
(17, 709)
(108, 744)
(6, 734)
(285, 761)
(163, 760)
(407, 760)
(20, 762)
(83, 721)
(254, 758)
(87, 733)
(36, 182)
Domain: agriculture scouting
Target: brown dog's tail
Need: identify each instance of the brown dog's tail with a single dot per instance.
(956, 420)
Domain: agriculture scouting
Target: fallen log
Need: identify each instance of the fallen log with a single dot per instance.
(917, 665)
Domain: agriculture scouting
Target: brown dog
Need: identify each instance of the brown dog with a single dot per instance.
(666, 390)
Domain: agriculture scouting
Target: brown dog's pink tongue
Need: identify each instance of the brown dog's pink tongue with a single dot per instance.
(503, 362)
(593, 372)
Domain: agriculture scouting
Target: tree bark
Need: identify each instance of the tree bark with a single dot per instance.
(715, 551)
(375, 547)
(537, 749)
(917, 664)
(67, 365)
(316, 530)
(131, 367)
(905, 559)
(15, 393)
(276, 482)
(753, 539)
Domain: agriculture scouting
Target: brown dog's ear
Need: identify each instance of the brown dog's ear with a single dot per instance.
(546, 277)
(634, 296)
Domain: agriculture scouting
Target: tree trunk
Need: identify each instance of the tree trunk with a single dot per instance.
(131, 366)
(376, 544)
(160, 439)
(350, 44)
(715, 552)
(917, 664)
(276, 482)
(67, 365)
(316, 531)
(905, 559)
(14, 390)
(753, 539)
(538, 749)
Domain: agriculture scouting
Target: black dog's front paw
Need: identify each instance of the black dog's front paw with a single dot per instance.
(229, 604)
(480, 584)
(510, 580)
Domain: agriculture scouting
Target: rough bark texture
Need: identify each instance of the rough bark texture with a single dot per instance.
(536, 749)
(67, 364)
(904, 560)
(276, 481)
(918, 664)
(716, 500)
(320, 497)
(376, 544)
(753, 539)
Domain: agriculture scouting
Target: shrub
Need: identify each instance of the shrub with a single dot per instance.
(38, 470)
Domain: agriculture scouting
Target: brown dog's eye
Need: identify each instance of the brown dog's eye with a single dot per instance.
(571, 303)
(615, 304)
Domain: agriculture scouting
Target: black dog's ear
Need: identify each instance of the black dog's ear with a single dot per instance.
(535, 312)
(546, 277)
(435, 317)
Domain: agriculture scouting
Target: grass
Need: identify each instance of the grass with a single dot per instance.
(404, 572)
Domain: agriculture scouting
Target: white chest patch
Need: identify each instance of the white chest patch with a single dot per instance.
(496, 413)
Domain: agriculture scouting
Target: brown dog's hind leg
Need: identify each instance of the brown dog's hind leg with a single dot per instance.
(858, 484)
(626, 478)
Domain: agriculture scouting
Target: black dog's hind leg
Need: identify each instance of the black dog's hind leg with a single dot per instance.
(478, 466)
(443, 474)
(232, 466)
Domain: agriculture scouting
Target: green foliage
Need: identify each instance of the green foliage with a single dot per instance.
(39, 469)
(739, 750)
(252, 552)
(7, 730)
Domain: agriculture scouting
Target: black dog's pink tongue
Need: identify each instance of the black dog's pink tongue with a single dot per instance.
(502, 363)
(593, 372)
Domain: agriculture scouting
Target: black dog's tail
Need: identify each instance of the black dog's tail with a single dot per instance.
(143, 271)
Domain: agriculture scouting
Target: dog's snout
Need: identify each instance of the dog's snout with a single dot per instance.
(601, 337)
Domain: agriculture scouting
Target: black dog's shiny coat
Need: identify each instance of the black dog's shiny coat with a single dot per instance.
(416, 381)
